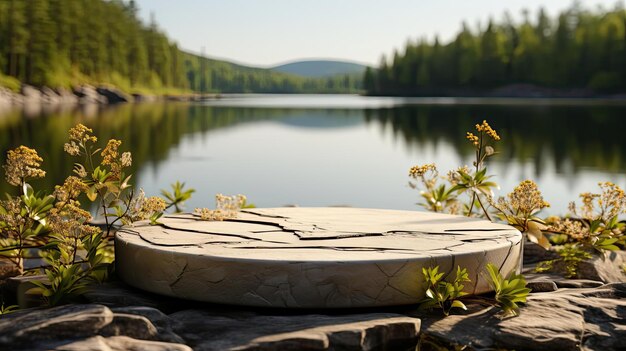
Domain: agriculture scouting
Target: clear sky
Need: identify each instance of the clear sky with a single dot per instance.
(269, 32)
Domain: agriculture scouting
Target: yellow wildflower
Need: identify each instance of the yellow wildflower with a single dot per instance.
(454, 176)
(153, 204)
(486, 128)
(72, 148)
(22, 163)
(81, 134)
(525, 199)
(227, 207)
(71, 188)
(472, 138)
(418, 171)
(13, 219)
(211, 215)
(109, 154)
(573, 228)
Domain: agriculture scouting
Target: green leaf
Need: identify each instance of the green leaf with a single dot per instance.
(91, 193)
(459, 304)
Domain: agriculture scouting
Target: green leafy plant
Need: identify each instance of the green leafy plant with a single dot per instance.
(177, 196)
(570, 256)
(75, 252)
(478, 182)
(509, 291)
(594, 227)
(442, 294)
(8, 309)
(520, 209)
(595, 224)
(442, 194)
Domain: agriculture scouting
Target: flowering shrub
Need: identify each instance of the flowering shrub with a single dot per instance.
(76, 253)
(519, 209)
(227, 207)
(592, 227)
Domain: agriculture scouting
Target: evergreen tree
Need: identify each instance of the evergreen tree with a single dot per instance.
(41, 55)
(578, 49)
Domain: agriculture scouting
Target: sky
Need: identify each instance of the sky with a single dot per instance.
(264, 33)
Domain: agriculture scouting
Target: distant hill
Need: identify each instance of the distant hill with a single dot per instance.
(321, 68)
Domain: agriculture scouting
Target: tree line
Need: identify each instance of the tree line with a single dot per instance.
(578, 49)
(62, 43)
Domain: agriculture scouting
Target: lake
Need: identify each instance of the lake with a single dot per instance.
(320, 150)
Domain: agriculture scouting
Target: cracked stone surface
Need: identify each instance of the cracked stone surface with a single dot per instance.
(566, 319)
(311, 257)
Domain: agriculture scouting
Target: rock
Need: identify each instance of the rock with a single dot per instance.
(577, 283)
(311, 257)
(568, 319)
(119, 343)
(592, 272)
(58, 327)
(118, 294)
(31, 94)
(534, 253)
(19, 287)
(8, 97)
(49, 96)
(131, 325)
(24, 328)
(205, 330)
(144, 98)
(606, 269)
(542, 286)
(8, 269)
(66, 96)
(559, 281)
(113, 95)
(159, 319)
(88, 95)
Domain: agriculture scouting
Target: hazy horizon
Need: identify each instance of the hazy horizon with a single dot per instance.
(254, 33)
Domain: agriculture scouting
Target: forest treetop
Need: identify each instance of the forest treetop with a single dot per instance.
(577, 49)
(64, 43)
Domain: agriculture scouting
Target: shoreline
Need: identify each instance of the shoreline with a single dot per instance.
(86, 95)
(104, 95)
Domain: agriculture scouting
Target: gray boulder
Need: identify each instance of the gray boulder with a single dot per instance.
(66, 96)
(206, 330)
(49, 96)
(113, 95)
(75, 326)
(88, 95)
(606, 268)
(117, 294)
(567, 319)
(159, 319)
(8, 97)
(24, 328)
(31, 94)
(119, 343)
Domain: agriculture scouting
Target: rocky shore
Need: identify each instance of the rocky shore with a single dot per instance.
(84, 94)
(587, 313)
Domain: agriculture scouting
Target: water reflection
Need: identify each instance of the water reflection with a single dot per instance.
(354, 154)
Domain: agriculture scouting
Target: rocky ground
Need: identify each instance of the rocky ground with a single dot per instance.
(561, 314)
(85, 94)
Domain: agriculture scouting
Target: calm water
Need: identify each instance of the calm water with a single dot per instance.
(336, 150)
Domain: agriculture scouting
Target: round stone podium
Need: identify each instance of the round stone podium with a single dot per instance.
(311, 257)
